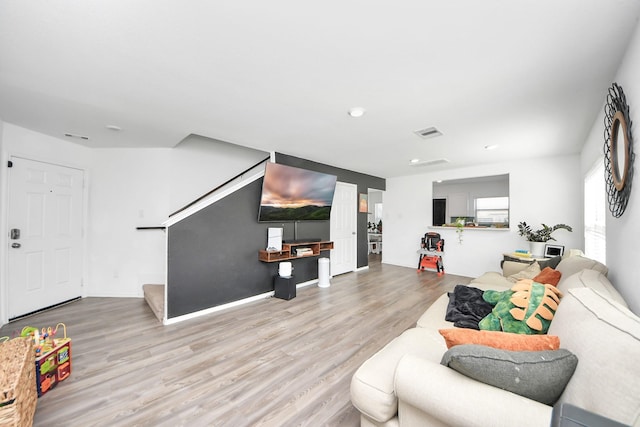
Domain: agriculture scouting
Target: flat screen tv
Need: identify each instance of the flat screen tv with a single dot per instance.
(294, 194)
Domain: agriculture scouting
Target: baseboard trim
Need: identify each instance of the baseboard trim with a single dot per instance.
(307, 283)
(216, 308)
(230, 305)
(107, 295)
(42, 310)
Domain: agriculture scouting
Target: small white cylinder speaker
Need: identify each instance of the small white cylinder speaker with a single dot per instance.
(285, 269)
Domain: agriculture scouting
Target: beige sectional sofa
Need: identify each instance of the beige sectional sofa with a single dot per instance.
(404, 384)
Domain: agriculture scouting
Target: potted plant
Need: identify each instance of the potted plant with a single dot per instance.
(537, 238)
(460, 223)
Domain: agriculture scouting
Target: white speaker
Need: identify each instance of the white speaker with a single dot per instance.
(285, 269)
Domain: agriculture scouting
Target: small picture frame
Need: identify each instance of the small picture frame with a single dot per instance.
(551, 251)
(363, 205)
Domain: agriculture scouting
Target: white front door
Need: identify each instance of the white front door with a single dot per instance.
(45, 235)
(343, 228)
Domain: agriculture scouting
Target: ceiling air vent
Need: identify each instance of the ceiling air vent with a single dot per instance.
(430, 162)
(431, 132)
(72, 135)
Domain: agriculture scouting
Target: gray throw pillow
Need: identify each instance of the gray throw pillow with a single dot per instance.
(551, 262)
(537, 375)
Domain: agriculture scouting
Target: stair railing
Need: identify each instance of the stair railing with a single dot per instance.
(207, 194)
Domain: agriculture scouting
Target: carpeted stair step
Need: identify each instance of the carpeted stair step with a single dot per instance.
(154, 295)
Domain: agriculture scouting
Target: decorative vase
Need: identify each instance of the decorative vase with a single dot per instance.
(537, 249)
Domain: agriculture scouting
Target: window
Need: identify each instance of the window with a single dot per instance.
(456, 198)
(595, 208)
(492, 211)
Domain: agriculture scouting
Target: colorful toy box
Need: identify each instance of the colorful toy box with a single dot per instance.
(53, 366)
(53, 357)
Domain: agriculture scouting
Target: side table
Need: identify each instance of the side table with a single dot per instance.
(284, 287)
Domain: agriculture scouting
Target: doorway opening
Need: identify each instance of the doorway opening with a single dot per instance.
(375, 225)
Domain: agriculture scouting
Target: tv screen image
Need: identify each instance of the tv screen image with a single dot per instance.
(294, 194)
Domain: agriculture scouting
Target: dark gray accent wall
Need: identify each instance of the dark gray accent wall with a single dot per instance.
(363, 181)
(213, 254)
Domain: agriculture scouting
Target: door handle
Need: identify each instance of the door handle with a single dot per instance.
(15, 233)
(15, 245)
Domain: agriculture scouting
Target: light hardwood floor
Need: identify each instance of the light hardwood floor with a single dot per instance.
(269, 363)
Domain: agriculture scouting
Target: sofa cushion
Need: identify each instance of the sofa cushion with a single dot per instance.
(513, 267)
(528, 273)
(537, 375)
(372, 385)
(592, 279)
(434, 317)
(574, 264)
(605, 336)
(519, 259)
(492, 280)
(501, 340)
(548, 276)
(550, 262)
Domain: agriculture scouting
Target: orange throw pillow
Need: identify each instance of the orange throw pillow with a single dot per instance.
(501, 340)
(548, 276)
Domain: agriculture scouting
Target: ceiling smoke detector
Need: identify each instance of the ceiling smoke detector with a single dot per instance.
(431, 132)
(429, 162)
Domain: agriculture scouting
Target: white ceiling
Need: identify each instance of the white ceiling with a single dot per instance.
(528, 75)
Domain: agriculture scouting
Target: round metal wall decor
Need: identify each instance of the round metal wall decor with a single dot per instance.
(618, 150)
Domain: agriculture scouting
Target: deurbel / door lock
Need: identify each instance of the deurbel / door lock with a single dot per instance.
(15, 233)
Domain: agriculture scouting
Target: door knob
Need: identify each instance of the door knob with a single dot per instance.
(15, 245)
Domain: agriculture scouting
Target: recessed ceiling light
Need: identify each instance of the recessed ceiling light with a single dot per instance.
(113, 127)
(415, 160)
(356, 112)
(490, 147)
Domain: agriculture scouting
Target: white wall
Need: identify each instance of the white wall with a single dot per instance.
(541, 190)
(140, 188)
(623, 251)
(21, 142)
(200, 164)
(128, 189)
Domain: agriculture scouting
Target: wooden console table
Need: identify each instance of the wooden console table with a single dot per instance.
(289, 251)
